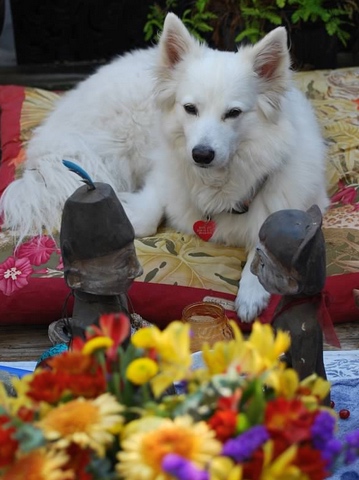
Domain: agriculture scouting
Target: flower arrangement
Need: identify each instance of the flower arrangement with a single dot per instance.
(107, 409)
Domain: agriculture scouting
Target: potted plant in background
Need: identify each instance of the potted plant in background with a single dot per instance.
(226, 23)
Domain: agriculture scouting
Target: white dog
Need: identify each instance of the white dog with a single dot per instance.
(210, 140)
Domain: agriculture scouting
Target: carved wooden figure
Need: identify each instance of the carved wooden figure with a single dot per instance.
(290, 261)
(100, 262)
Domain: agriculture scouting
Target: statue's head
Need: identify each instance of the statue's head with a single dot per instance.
(97, 242)
(290, 256)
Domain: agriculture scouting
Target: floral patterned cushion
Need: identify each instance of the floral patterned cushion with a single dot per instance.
(180, 269)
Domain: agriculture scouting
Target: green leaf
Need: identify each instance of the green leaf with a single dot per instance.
(29, 437)
(248, 33)
(256, 404)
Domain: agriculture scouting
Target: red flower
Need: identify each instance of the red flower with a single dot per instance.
(8, 444)
(114, 325)
(77, 344)
(252, 469)
(14, 273)
(231, 402)
(311, 463)
(48, 386)
(289, 420)
(38, 250)
(79, 462)
(88, 386)
(224, 423)
(346, 195)
(84, 376)
(26, 414)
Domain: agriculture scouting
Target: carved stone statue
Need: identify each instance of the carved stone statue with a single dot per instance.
(290, 261)
(100, 262)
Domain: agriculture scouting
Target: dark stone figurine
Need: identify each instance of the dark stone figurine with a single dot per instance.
(100, 262)
(290, 261)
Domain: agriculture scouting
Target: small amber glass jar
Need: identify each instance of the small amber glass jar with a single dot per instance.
(208, 323)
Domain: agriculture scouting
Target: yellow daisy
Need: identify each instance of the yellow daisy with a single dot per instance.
(39, 465)
(143, 451)
(88, 423)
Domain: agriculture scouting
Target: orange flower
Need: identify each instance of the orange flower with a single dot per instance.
(40, 465)
(73, 362)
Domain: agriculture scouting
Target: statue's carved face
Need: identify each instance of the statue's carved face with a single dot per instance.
(110, 274)
(273, 276)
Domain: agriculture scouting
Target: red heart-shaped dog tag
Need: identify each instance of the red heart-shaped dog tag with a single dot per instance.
(204, 229)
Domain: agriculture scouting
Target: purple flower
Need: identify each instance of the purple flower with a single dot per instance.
(243, 446)
(182, 469)
(323, 429)
(331, 451)
(352, 441)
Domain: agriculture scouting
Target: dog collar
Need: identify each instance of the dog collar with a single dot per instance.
(205, 229)
(243, 205)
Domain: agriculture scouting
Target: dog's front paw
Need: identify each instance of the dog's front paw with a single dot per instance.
(144, 217)
(251, 300)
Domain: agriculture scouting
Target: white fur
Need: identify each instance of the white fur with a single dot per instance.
(126, 125)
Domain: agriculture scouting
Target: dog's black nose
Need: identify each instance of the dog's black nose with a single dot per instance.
(203, 155)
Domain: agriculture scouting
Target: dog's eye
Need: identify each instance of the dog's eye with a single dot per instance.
(191, 109)
(233, 113)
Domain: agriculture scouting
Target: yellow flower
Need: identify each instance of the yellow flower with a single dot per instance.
(223, 468)
(172, 346)
(88, 423)
(141, 370)
(148, 337)
(312, 390)
(281, 468)
(96, 343)
(285, 381)
(39, 465)
(318, 386)
(266, 346)
(144, 424)
(143, 451)
(219, 357)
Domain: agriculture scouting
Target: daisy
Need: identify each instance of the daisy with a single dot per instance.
(87, 423)
(144, 450)
(39, 465)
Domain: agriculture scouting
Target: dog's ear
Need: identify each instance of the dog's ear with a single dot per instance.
(175, 41)
(271, 63)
